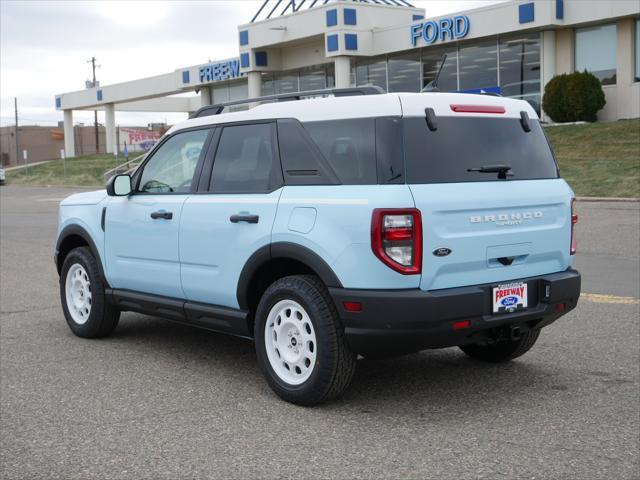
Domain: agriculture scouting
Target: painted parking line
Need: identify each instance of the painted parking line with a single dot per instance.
(600, 298)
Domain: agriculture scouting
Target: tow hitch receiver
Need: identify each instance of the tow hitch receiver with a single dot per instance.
(507, 333)
(515, 333)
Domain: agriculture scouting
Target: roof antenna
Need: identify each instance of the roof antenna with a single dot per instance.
(432, 86)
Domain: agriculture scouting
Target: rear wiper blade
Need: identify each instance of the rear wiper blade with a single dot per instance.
(502, 170)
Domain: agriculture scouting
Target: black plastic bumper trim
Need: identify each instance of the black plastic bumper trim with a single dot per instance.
(415, 320)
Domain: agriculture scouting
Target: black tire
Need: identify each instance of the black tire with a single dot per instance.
(102, 318)
(335, 364)
(502, 351)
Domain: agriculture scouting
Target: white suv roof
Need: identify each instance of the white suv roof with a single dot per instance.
(363, 106)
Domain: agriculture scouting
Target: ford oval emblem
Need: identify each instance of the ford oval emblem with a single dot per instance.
(509, 301)
(442, 252)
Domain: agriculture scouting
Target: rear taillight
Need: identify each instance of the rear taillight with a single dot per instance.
(574, 220)
(396, 239)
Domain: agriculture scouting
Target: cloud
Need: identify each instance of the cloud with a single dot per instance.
(44, 45)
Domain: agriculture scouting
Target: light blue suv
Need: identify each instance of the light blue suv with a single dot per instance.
(323, 228)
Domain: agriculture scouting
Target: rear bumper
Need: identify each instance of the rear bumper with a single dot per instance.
(412, 320)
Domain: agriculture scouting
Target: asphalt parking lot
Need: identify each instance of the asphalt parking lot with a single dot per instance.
(161, 400)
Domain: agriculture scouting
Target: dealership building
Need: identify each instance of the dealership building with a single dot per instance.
(512, 48)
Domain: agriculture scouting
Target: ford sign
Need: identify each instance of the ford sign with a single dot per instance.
(447, 28)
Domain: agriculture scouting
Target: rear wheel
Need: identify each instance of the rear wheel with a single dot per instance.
(300, 342)
(503, 351)
(85, 307)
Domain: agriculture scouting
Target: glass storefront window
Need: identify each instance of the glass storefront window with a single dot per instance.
(372, 71)
(404, 72)
(520, 67)
(229, 93)
(431, 59)
(331, 75)
(596, 52)
(316, 77)
(268, 84)
(478, 65)
(637, 51)
(312, 78)
(286, 82)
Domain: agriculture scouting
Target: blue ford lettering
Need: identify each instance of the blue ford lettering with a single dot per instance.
(219, 71)
(446, 28)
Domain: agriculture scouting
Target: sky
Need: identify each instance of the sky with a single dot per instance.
(45, 45)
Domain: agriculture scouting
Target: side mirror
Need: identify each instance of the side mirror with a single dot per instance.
(119, 186)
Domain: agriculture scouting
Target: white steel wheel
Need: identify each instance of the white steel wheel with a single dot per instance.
(290, 342)
(78, 294)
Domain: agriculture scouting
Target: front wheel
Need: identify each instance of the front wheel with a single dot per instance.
(502, 351)
(86, 309)
(300, 342)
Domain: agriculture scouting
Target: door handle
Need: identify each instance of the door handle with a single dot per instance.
(162, 214)
(244, 218)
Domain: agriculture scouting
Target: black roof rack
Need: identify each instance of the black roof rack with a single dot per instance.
(288, 97)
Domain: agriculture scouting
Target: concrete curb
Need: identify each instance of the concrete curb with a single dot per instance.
(22, 167)
(608, 199)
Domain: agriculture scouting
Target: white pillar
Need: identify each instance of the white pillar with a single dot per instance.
(254, 80)
(110, 126)
(69, 140)
(343, 72)
(205, 96)
(254, 86)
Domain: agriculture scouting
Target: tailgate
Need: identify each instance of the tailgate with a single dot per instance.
(495, 231)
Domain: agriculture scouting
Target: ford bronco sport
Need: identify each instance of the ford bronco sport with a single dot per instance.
(330, 227)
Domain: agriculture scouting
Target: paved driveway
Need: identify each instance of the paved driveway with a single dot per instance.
(161, 400)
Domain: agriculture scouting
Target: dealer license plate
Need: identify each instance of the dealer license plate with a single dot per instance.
(509, 297)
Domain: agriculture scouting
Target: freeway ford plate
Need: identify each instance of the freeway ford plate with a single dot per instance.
(510, 297)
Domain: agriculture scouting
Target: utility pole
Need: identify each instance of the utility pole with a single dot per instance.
(15, 103)
(95, 112)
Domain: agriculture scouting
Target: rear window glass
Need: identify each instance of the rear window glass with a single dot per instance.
(463, 143)
(349, 146)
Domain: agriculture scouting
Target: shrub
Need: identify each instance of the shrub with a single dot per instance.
(573, 97)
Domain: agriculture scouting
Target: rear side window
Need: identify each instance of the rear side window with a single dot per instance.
(302, 162)
(459, 144)
(349, 146)
(246, 160)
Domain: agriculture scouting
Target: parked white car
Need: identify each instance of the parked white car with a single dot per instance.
(2, 176)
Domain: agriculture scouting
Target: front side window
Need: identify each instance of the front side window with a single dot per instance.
(171, 168)
(245, 160)
(596, 52)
